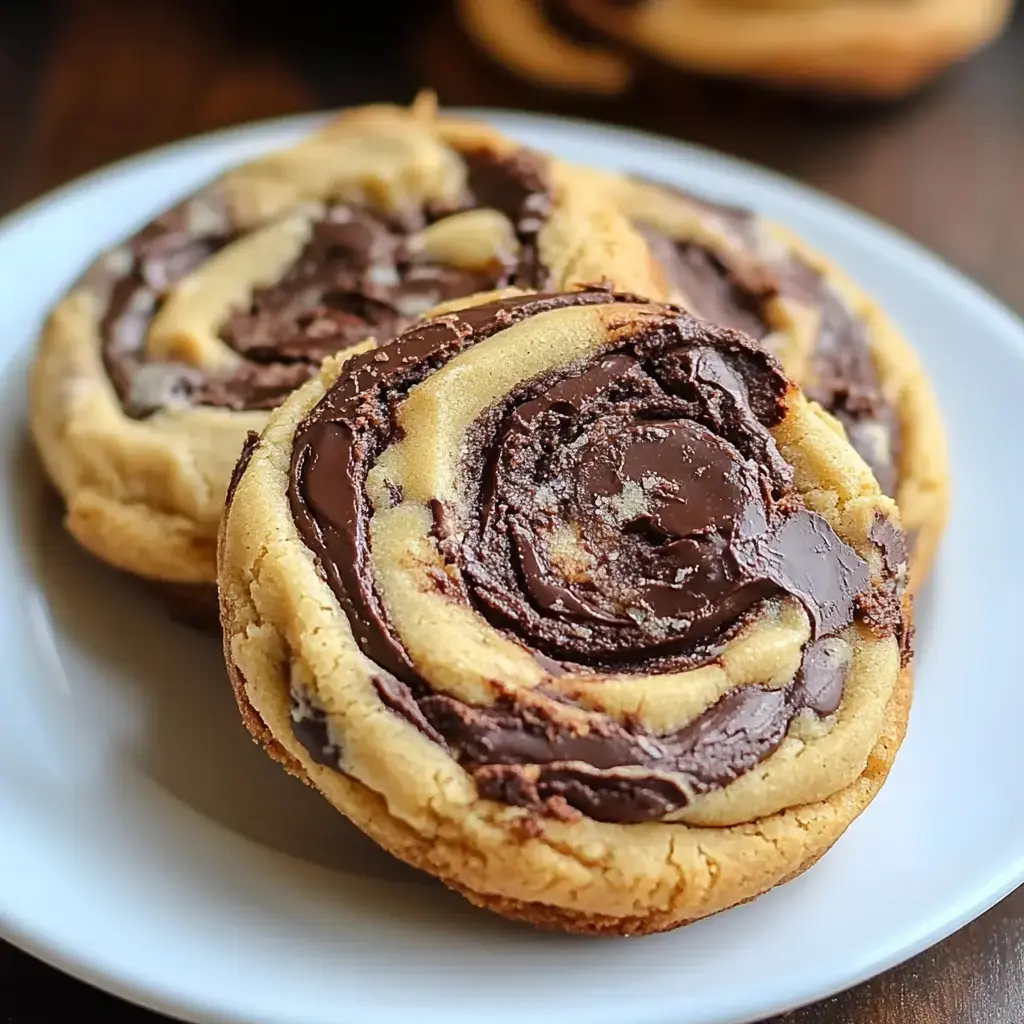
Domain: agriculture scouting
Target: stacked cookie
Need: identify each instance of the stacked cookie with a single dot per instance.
(846, 47)
(565, 542)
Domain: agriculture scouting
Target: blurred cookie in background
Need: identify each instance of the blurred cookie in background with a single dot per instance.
(534, 40)
(846, 47)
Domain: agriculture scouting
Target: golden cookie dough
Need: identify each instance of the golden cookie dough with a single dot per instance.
(848, 47)
(574, 602)
(175, 343)
(736, 268)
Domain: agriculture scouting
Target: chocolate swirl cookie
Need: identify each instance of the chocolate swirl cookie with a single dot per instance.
(730, 266)
(172, 346)
(846, 47)
(574, 601)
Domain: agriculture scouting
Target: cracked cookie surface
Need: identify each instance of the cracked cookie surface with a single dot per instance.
(175, 343)
(574, 601)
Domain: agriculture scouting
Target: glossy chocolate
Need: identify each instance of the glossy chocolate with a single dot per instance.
(671, 485)
(249, 445)
(734, 291)
(359, 276)
(339, 441)
(631, 515)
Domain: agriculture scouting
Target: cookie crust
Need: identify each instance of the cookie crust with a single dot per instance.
(284, 629)
(146, 494)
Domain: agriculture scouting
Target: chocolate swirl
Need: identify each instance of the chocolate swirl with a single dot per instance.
(361, 273)
(734, 289)
(595, 770)
(630, 513)
(660, 460)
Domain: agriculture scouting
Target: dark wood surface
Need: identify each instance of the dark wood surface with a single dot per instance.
(88, 81)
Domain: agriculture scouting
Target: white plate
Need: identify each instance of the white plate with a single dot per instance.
(149, 847)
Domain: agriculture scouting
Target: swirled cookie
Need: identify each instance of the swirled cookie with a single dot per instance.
(526, 38)
(575, 602)
(173, 345)
(728, 265)
(852, 47)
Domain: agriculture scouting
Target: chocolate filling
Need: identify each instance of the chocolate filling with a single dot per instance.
(312, 730)
(578, 768)
(735, 292)
(660, 459)
(629, 514)
(359, 276)
(249, 446)
(723, 294)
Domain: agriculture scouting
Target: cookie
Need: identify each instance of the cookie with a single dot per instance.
(728, 265)
(523, 37)
(575, 602)
(845, 47)
(175, 343)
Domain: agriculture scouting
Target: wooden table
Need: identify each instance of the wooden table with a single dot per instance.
(88, 81)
